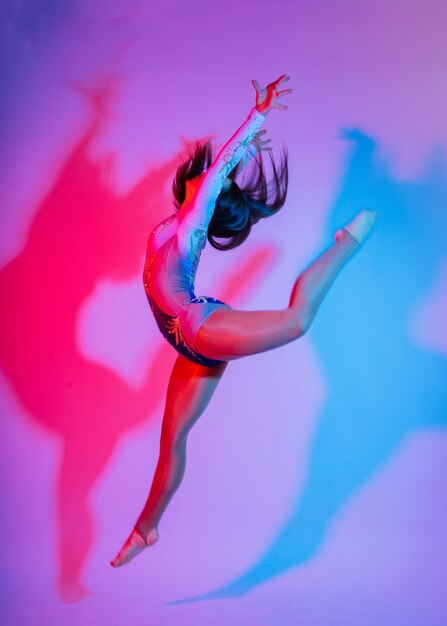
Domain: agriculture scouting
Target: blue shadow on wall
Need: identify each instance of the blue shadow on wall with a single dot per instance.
(381, 386)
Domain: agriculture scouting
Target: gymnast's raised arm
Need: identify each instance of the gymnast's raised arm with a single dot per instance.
(200, 211)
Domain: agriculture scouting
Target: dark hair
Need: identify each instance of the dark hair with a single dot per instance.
(237, 208)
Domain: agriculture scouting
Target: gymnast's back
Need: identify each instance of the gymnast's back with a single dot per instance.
(172, 257)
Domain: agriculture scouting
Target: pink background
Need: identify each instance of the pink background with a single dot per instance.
(315, 484)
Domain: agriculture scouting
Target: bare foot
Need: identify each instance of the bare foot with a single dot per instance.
(134, 544)
(360, 226)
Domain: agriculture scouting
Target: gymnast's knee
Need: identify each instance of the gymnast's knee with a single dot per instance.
(173, 444)
(301, 320)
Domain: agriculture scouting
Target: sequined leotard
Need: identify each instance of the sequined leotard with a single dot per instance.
(174, 248)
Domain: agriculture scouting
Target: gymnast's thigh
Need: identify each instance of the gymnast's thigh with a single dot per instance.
(194, 314)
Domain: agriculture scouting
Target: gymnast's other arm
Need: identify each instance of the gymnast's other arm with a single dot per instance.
(257, 145)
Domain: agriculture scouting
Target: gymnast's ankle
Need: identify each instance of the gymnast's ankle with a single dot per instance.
(149, 536)
(134, 545)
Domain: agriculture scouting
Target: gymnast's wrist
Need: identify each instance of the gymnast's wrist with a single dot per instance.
(263, 113)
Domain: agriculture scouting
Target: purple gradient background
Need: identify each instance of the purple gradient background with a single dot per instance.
(315, 484)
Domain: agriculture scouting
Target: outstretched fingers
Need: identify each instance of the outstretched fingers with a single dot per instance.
(283, 92)
(281, 79)
(259, 141)
(256, 85)
(280, 94)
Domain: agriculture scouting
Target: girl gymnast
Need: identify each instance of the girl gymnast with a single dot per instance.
(206, 332)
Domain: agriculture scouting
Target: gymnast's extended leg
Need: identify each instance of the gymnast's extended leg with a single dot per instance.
(190, 389)
(230, 334)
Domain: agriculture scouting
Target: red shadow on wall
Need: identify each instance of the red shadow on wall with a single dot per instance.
(82, 233)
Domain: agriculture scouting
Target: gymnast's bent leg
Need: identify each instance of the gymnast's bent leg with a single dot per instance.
(230, 334)
(190, 389)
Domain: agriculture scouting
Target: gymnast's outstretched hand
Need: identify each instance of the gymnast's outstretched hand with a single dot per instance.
(260, 144)
(267, 98)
